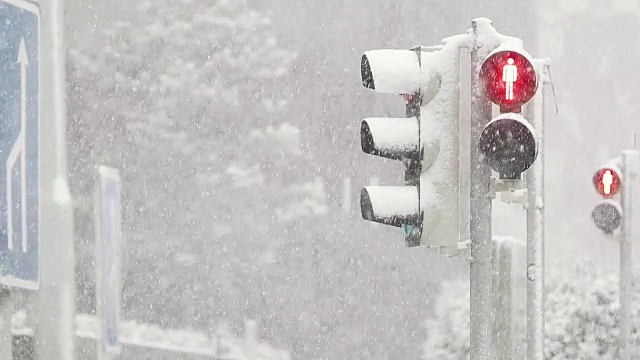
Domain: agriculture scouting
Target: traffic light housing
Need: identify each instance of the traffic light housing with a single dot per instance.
(509, 143)
(426, 141)
(608, 181)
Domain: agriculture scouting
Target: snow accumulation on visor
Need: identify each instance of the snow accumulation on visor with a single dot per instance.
(393, 138)
(390, 205)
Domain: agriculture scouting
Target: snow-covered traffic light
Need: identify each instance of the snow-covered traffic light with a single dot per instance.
(426, 141)
(607, 181)
(509, 143)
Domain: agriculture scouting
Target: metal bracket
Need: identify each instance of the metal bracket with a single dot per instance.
(464, 248)
(471, 259)
(463, 245)
(502, 185)
(515, 197)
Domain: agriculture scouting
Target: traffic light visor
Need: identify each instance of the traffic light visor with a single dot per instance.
(390, 205)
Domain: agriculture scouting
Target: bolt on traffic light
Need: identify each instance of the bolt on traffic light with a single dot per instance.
(426, 141)
(509, 143)
(607, 181)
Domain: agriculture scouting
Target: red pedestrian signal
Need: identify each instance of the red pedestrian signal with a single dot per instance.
(508, 142)
(607, 182)
(509, 78)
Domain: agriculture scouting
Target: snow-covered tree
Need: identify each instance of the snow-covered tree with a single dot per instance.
(184, 97)
(448, 331)
(581, 311)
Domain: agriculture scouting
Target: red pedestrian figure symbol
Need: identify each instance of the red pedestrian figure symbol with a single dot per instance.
(607, 181)
(509, 76)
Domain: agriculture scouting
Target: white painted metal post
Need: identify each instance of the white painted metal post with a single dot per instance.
(627, 236)
(481, 316)
(250, 337)
(502, 300)
(108, 230)
(6, 312)
(54, 333)
(535, 224)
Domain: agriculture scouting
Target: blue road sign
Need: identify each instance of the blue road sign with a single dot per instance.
(19, 143)
(109, 241)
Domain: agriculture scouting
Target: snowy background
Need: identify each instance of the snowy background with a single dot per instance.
(235, 123)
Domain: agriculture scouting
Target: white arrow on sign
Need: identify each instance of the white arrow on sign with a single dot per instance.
(18, 150)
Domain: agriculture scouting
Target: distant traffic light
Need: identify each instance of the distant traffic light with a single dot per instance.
(607, 181)
(509, 143)
(426, 141)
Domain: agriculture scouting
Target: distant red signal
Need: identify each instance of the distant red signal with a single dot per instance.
(607, 182)
(508, 78)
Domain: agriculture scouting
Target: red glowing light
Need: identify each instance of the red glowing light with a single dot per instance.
(607, 182)
(508, 78)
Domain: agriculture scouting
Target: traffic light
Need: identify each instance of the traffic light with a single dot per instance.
(426, 141)
(509, 143)
(608, 182)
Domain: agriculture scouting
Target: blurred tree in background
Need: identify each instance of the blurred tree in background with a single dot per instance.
(581, 317)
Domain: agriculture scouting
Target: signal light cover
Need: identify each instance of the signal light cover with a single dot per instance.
(390, 205)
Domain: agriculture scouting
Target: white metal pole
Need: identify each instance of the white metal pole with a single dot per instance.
(6, 312)
(101, 353)
(54, 333)
(503, 299)
(535, 225)
(629, 171)
(250, 337)
(480, 208)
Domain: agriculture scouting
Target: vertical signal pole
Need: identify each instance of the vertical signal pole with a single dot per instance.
(54, 336)
(629, 172)
(480, 203)
(535, 226)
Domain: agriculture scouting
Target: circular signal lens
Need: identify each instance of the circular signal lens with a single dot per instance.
(607, 216)
(607, 182)
(508, 78)
(509, 145)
